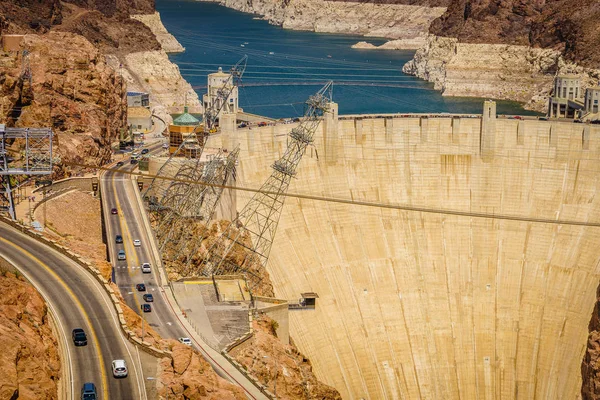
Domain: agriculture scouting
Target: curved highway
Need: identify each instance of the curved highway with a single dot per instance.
(78, 301)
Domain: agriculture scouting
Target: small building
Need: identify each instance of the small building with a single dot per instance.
(138, 99)
(139, 118)
(567, 98)
(183, 126)
(592, 99)
(216, 82)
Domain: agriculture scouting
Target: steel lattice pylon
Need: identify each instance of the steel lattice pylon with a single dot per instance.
(193, 146)
(191, 196)
(35, 158)
(253, 230)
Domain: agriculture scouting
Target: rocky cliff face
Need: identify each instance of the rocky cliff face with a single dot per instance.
(282, 368)
(590, 367)
(390, 19)
(72, 91)
(566, 26)
(189, 376)
(105, 23)
(509, 72)
(29, 360)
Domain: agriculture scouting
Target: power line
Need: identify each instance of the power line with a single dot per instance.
(400, 207)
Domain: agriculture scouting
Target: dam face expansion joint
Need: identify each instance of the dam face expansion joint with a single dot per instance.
(23, 151)
(253, 231)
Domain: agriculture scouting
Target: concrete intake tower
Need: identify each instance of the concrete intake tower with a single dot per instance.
(433, 305)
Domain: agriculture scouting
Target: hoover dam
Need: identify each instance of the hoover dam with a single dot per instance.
(432, 304)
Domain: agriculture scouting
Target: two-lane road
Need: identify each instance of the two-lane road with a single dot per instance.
(117, 192)
(79, 301)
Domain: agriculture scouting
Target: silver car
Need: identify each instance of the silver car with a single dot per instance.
(119, 368)
(121, 255)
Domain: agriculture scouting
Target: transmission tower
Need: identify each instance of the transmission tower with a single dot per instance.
(194, 145)
(35, 146)
(254, 228)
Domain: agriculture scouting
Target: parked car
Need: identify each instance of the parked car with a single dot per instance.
(296, 119)
(119, 368)
(146, 269)
(543, 118)
(262, 124)
(140, 287)
(137, 243)
(121, 255)
(113, 211)
(185, 340)
(146, 307)
(242, 125)
(148, 297)
(79, 337)
(165, 146)
(118, 239)
(88, 391)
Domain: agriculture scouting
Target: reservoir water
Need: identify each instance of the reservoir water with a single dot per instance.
(285, 66)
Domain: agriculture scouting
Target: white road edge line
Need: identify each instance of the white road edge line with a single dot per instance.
(110, 306)
(56, 318)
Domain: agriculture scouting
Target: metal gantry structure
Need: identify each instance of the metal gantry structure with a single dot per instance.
(193, 145)
(253, 231)
(186, 189)
(31, 155)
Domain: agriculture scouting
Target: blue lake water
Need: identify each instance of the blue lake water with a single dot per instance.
(285, 66)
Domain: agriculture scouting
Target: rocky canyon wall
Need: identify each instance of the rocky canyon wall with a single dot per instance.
(394, 19)
(500, 71)
(29, 362)
(420, 305)
(72, 91)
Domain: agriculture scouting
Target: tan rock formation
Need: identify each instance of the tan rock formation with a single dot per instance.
(157, 75)
(82, 231)
(397, 44)
(167, 41)
(189, 376)
(282, 368)
(29, 360)
(73, 91)
(394, 21)
(519, 73)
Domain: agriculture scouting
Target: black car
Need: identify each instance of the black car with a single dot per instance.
(148, 297)
(113, 211)
(133, 161)
(296, 120)
(120, 164)
(145, 151)
(79, 337)
(140, 287)
(146, 307)
(119, 239)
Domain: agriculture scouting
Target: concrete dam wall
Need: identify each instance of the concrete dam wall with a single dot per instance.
(416, 305)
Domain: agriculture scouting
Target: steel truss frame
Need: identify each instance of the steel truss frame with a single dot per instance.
(254, 228)
(36, 159)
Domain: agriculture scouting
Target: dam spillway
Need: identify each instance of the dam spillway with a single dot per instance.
(418, 305)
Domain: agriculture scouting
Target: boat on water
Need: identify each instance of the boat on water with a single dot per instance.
(242, 45)
(271, 52)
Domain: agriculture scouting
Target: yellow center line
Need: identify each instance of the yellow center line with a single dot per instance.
(126, 243)
(79, 305)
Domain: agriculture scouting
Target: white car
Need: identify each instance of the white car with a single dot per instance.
(146, 269)
(119, 368)
(185, 340)
(165, 146)
(137, 243)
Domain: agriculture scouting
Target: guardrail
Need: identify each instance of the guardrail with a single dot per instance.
(131, 336)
